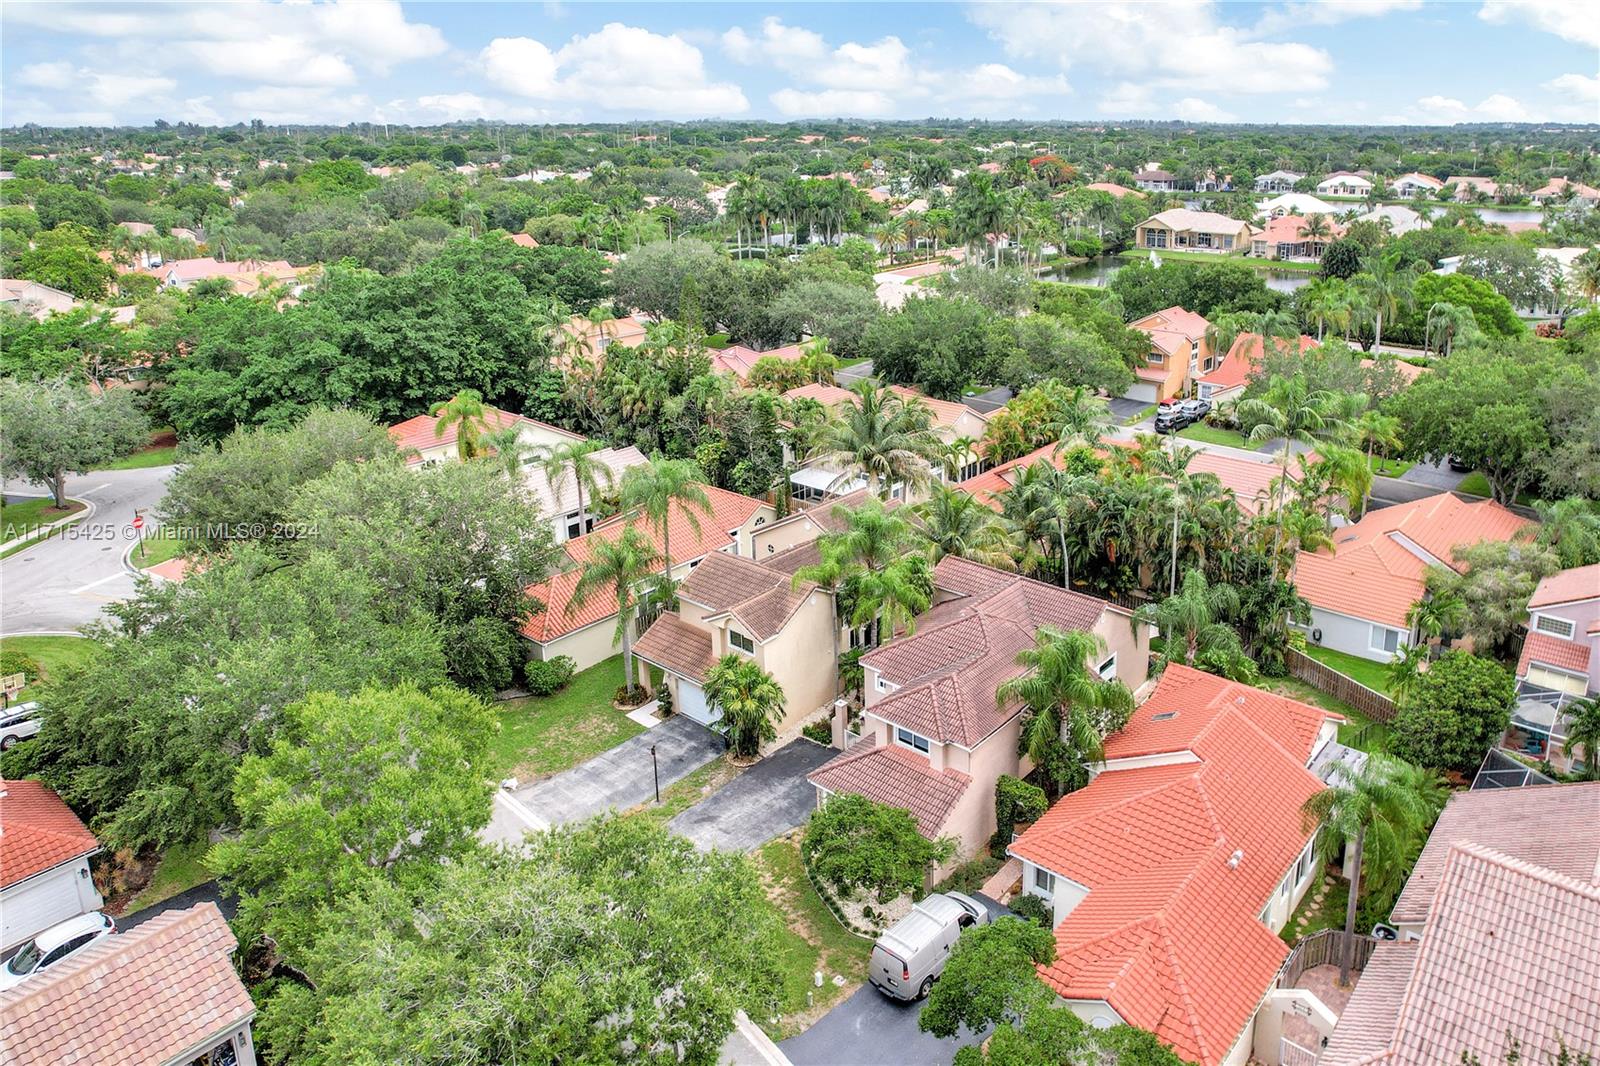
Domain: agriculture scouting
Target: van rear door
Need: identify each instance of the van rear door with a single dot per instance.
(889, 972)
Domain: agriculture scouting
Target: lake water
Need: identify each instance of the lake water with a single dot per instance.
(1498, 216)
(1099, 272)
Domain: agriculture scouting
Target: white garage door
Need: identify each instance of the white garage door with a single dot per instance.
(41, 902)
(692, 704)
(1142, 391)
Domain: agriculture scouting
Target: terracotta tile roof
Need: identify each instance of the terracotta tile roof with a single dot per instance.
(762, 599)
(945, 412)
(1172, 329)
(1406, 371)
(1568, 586)
(1367, 1023)
(997, 479)
(41, 832)
(738, 360)
(1196, 700)
(896, 777)
(1549, 825)
(1119, 191)
(1370, 574)
(1169, 933)
(1238, 364)
(676, 645)
(826, 395)
(1508, 953)
(1291, 229)
(139, 998)
(1553, 651)
(523, 240)
(421, 432)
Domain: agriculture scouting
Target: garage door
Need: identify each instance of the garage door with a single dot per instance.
(38, 904)
(1143, 392)
(692, 704)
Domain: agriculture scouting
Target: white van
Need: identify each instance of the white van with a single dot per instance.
(911, 954)
(18, 723)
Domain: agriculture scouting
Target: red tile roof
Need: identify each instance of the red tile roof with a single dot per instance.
(140, 998)
(1173, 328)
(422, 431)
(41, 832)
(1553, 651)
(945, 412)
(1237, 365)
(1119, 191)
(738, 360)
(896, 777)
(676, 645)
(760, 598)
(1196, 700)
(1568, 586)
(1169, 933)
(1370, 574)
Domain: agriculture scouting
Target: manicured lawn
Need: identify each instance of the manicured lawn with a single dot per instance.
(51, 653)
(542, 735)
(180, 869)
(1357, 732)
(1390, 467)
(1475, 484)
(155, 549)
(1141, 416)
(16, 519)
(1219, 257)
(165, 456)
(1373, 675)
(1215, 435)
(811, 939)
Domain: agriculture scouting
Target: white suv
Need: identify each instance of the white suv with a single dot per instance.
(54, 944)
(18, 723)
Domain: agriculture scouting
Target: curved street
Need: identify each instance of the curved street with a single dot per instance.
(66, 581)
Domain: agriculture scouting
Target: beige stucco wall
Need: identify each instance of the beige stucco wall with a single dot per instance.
(761, 518)
(587, 646)
(800, 659)
(1132, 649)
(774, 537)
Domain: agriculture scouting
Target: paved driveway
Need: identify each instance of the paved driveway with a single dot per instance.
(1436, 476)
(1123, 408)
(767, 800)
(870, 1029)
(617, 779)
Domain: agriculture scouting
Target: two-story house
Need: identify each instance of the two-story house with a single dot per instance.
(1170, 874)
(1560, 659)
(1179, 353)
(934, 739)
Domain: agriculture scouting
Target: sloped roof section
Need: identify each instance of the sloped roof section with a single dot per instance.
(895, 777)
(1568, 586)
(1553, 651)
(41, 832)
(673, 644)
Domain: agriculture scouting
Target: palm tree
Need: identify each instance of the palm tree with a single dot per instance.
(1446, 322)
(1194, 616)
(1583, 731)
(1572, 528)
(1405, 670)
(956, 523)
(1070, 708)
(661, 488)
(1375, 432)
(1435, 615)
(1174, 466)
(618, 565)
(873, 538)
(1291, 410)
(1388, 290)
(588, 473)
(1304, 530)
(1382, 809)
(1316, 227)
(466, 412)
(1081, 416)
(750, 702)
(1347, 471)
(882, 437)
(1586, 274)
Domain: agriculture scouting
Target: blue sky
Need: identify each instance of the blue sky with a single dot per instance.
(1345, 61)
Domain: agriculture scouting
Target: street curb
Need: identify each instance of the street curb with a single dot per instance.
(43, 533)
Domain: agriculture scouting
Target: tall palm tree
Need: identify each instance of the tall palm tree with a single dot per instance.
(1378, 433)
(874, 537)
(882, 437)
(1348, 471)
(1080, 417)
(588, 473)
(1583, 731)
(467, 413)
(662, 488)
(1304, 530)
(1070, 708)
(1316, 227)
(1174, 466)
(1196, 617)
(1405, 671)
(1586, 274)
(750, 701)
(617, 566)
(1382, 810)
(1292, 411)
(1436, 614)
(1571, 527)
(956, 523)
(1388, 289)
(1445, 323)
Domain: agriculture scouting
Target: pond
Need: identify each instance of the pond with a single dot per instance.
(1099, 272)
(1497, 216)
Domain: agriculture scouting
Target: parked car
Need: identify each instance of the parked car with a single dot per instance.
(911, 954)
(54, 944)
(18, 722)
(1458, 466)
(1195, 409)
(1171, 419)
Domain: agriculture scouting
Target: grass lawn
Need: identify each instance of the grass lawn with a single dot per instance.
(811, 939)
(1475, 484)
(544, 734)
(1390, 467)
(23, 517)
(51, 653)
(153, 550)
(180, 869)
(1373, 675)
(1141, 416)
(1185, 256)
(1358, 732)
(1313, 917)
(1215, 435)
(163, 456)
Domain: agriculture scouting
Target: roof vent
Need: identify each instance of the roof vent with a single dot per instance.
(1235, 859)
(1163, 716)
(1239, 700)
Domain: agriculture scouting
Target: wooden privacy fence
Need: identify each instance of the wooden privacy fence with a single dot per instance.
(1373, 704)
(1324, 948)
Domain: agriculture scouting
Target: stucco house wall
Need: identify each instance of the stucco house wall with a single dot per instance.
(1353, 636)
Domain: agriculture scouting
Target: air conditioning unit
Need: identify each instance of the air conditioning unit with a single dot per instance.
(1316, 636)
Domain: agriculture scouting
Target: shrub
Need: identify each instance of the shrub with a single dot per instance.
(1015, 800)
(1461, 705)
(630, 695)
(855, 844)
(821, 732)
(16, 662)
(546, 678)
(663, 702)
(1033, 909)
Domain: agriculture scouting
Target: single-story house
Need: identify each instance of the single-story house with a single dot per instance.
(44, 863)
(934, 739)
(1415, 184)
(1178, 351)
(1560, 190)
(161, 994)
(1362, 589)
(1195, 231)
(523, 240)
(1227, 380)
(587, 632)
(1153, 180)
(246, 275)
(1344, 183)
(738, 360)
(1171, 873)
(1289, 237)
(1470, 188)
(1396, 219)
(1298, 203)
(33, 298)
(1499, 922)
(1119, 191)
(1278, 181)
(423, 442)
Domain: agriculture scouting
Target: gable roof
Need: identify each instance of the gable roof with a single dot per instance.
(1291, 229)
(895, 777)
(761, 599)
(1190, 702)
(1119, 191)
(1573, 585)
(152, 994)
(1178, 860)
(41, 832)
(739, 360)
(1553, 651)
(1419, 179)
(420, 432)
(1172, 329)
(1371, 574)
(560, 496)
(1245, 352)
(946, 413)
(678, 646)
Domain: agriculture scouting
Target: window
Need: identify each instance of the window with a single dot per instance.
(574, 526)
(1044, 880)
(1556, 627)
(1164, 716)
(742, 642)
(1155, 238)
(1108, 669)
(1385, 639)
(907, 738)
(885, 685)
(1266, 912)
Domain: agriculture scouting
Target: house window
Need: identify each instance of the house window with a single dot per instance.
(574, 526)
(906, 738)
(1556, 627)
(885, 685)
(1044, 881)
(1108, 669)
(1155, 238)
(1384, 639)
(742, 642)
(1266, 912)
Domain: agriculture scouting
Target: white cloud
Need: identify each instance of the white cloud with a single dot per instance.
(1448, 110)
(1329, 13)
(277, 58)
(107, 90)
(1168, 45)
(833, 103)
(776, 43)
(59, 75)
(1128, 99)
(291, 105)
(1572, 20)
(1193, 109)
(1577, 86)
(521, 65)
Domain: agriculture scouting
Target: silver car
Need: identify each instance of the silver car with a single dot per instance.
(911, 954)
(18, 722)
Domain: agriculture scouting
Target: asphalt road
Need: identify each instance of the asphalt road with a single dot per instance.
(65, 582)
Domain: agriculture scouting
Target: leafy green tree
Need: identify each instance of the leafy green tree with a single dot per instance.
(957, 523)
(840, 311)
(1493, 584)
(855, 844)
(1054, 1034)
(882, 437)
(1583, 731)
(1038, 349)
(49, 429)
(1492, 313)
(750, 700)
(1461, 706)
(65, 258)
(652, 278)
(1571, 528)
(990, 978)
(495, 961)
(81, 344)
(386, 783)
(1342, 259)
(618, 566)
(1068, 710)
(939, 346)
(1204, 288)
(661, 489)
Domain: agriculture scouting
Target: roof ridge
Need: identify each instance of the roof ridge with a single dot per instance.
(1192, 1015)
(1486, 853)
(1233, 708)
